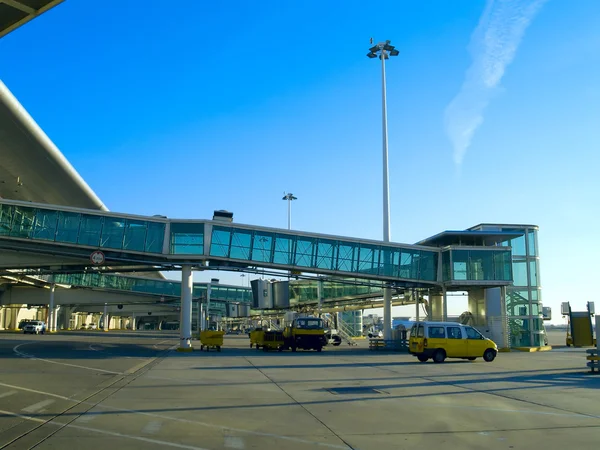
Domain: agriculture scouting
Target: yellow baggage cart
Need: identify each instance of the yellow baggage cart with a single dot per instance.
(273, 340)
(257, 338)
(211, 339)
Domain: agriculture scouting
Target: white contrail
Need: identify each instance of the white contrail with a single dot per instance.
(493, 46)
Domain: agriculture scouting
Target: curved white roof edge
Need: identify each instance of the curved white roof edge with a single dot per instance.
(52, 150)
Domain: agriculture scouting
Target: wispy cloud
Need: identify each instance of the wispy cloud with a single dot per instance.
(493, 46)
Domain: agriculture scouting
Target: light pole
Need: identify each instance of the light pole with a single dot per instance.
(289, 197)
(243, 276)
(384, 50)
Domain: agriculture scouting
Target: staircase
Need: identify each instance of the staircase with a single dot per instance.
(345, 331)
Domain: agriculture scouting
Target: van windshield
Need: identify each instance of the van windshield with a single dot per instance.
(472, 333)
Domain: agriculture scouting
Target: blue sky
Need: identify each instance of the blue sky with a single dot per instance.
(227, 105)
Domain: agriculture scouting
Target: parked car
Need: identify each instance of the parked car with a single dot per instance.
(34, 327)
(375, 334)
(23, 322)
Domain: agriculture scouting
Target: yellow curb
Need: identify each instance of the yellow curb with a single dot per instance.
(182, 349)
(543, 348)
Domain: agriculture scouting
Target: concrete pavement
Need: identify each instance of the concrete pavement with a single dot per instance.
(242, 398)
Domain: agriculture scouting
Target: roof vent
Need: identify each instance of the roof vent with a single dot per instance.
(223, 216)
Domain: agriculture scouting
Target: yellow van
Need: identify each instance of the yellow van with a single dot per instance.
(441, 340)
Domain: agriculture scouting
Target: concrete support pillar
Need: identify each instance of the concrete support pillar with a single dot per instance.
(133, 328)
(208, 292)
(320, 294)
(202, 317)
(417, 311)
(185, 329)
(199, 318)
(477, 306)
(51, 325)
(106, 318)
(13, 317)
(387, 314)
(445, 305)
(435, 307)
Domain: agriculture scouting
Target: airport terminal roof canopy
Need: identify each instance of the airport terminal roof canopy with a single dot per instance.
(32, 168)
(14, 13)
(470, 237)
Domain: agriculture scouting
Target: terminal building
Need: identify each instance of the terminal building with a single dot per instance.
(66, 259)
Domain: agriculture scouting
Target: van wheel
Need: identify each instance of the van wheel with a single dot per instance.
(439, 356)
(471, 358)
(489, 355)
(422, 358)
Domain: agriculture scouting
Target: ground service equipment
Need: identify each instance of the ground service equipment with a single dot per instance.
(211, 339)
(306, 333)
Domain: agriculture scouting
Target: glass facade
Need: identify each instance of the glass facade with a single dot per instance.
(523, 298)
(322, 254)
(283, 250)
(97, 231)
(289, 251)
(476, 265)
(306, 291)
(151, 286)
(187, 238)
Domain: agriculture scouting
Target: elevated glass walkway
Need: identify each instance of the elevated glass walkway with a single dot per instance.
(128, 239)
(150, 286)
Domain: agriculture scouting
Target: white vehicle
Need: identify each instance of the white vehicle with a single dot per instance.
(92, 326)
(34, 327)
(333, 337)
(374, 334)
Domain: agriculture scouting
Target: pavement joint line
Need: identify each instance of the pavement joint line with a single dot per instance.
(52, 420)
(299, 404)
(208, 425)
(96, 430)
(178, 419)
(565, 412)
(507, 397)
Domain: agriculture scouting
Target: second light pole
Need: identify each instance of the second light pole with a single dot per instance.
(289, 197)
(384, 50)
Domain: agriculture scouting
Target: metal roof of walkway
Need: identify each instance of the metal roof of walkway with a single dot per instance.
(72, 234)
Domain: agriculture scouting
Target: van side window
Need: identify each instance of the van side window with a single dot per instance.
(421, 331)
(454, 333)
(472, 333)
(437, 332)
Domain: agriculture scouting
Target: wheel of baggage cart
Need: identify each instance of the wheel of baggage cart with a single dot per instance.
(422, 358)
